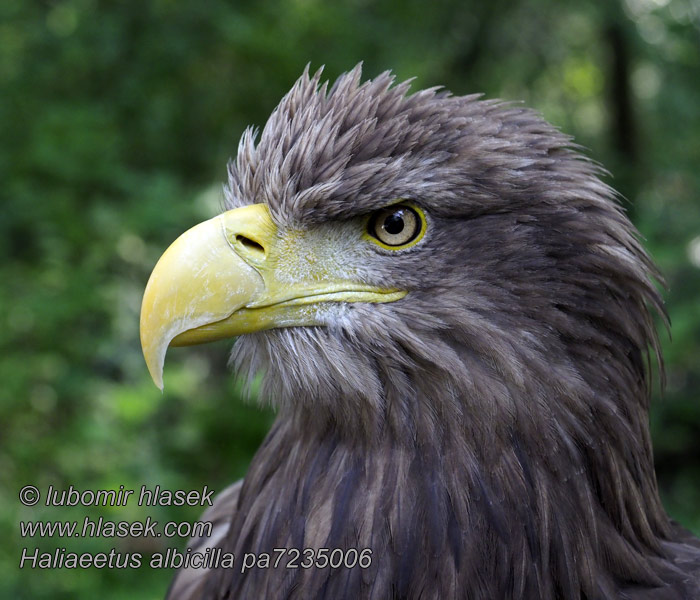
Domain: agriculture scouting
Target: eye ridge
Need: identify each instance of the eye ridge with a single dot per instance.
(396, 226)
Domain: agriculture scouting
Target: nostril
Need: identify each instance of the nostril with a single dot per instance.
(250, 244)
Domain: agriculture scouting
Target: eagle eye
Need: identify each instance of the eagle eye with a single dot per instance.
(396, 227)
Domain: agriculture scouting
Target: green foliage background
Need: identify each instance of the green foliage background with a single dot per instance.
(116, 121)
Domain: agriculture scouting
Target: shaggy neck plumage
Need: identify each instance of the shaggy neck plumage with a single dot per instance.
(552, 506)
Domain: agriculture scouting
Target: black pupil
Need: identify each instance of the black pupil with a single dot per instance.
(393, 224)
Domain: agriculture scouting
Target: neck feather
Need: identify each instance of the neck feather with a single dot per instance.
(548, 508)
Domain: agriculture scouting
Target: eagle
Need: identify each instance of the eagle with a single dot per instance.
(454, 320)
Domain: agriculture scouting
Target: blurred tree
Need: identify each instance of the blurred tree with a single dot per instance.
(117, 120)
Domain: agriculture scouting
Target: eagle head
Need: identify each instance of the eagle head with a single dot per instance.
(453, 316)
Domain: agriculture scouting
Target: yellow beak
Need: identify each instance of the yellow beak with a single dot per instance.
(236, 274)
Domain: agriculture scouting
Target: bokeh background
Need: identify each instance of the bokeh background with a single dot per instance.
(116, 122)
